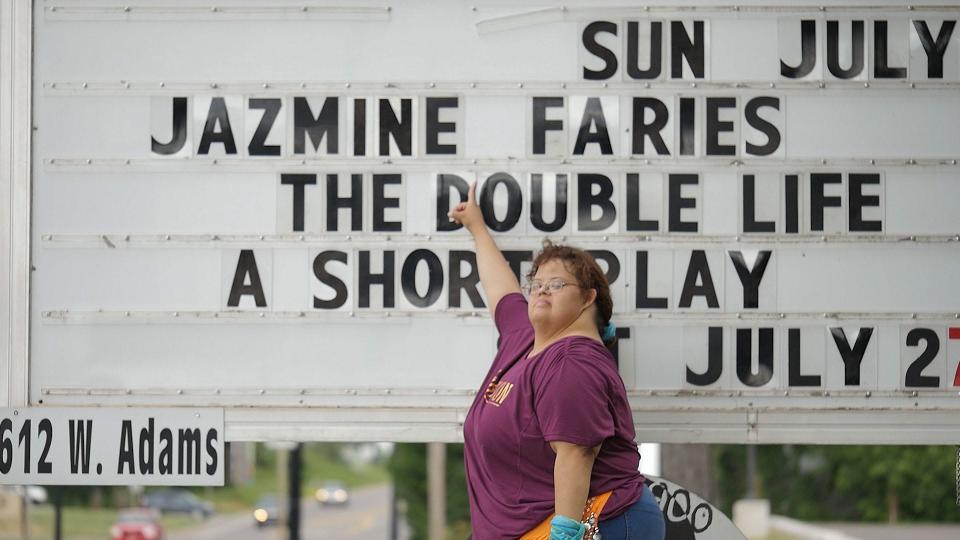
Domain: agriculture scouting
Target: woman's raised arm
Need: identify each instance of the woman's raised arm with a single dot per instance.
(496, 277)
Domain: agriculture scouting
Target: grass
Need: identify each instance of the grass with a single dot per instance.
(78, 523)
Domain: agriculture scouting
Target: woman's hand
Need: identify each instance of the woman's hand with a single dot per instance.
(564, 528)
(468, 213)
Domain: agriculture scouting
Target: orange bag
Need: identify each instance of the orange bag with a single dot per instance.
(591, 516)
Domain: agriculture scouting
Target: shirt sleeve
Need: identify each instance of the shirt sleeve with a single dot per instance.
(571, 401)
(511, 313)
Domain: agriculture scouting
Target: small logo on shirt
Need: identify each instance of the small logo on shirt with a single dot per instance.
(497, 394)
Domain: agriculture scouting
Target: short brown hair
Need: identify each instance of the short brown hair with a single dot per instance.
(588, 273)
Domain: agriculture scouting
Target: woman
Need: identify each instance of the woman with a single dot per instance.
(550, 438)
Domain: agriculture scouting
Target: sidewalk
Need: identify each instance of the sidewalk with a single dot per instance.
(864, 531)
(882, 531)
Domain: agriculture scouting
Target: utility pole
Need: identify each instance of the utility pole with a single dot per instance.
(691, 466)
(282, 502)
(57, 513)
(293, 480)
(753, 481)
(436, 490)
(25, 515)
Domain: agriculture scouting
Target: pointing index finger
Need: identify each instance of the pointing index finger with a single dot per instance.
(471, 192)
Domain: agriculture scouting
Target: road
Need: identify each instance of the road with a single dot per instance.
(367, 517)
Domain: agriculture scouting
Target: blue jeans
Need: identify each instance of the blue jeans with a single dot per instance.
(642, 520)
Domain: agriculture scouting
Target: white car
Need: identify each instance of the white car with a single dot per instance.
(332, 493)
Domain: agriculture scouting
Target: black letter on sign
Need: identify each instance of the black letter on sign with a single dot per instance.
(682, 47)
(642, 130)
(750, 223)
(634, 223)
(934, 50)
(914, 375)
(714, 359)
(643, 281)
(299, 183)
(817, 199)
(679, 202)
(330, 280)
(354, 202)
(808, 52)
(586, 200)
(609, 57)
(764, 356)
(189, 451)
(880, 68)
(360, 127)
(593, 114)
(401, 130)
(795, 378)
(217, 116)
(540, 123)
(698, 271)
(613, 263)
(792, 204)
(367, 279)
(753, 119)
(81, 436)
(536, 203)
(408, 278)
(515, 259)
(715, 126)
(165, 458)
(688, 134)
(750, 277)
(444, 183)
(851, 357)
(212, 451)
(434, 127)
(858, 200)
(179, 130)
(325, 124)
(468, 283)
(246, 265)
(271, 108)
(514, 201)
(633, 46)
(621, 334)
(833, 50)
(146, 448)
(126, 457)
(381, 202)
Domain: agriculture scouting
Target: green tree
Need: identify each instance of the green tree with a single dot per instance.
(861, 483)
(408, 465)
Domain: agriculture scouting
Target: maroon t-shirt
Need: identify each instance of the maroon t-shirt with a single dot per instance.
(571, 391)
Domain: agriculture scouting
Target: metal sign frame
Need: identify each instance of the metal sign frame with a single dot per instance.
(434, 414)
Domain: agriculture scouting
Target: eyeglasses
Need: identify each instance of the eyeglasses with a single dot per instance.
(536, 286)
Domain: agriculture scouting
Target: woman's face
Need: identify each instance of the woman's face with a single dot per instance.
(553, 310)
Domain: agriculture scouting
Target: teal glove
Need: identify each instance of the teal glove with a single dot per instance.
(564, 528)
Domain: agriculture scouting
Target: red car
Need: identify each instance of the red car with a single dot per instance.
(137, 525)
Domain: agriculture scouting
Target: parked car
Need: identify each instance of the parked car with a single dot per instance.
(137, 524)
(332, 492)
(267, 510)
(179, 501)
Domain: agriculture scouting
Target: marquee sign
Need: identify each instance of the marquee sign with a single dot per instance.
(262, 223)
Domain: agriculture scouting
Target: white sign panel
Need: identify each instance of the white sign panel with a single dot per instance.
(770, 190)
(98, 446)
